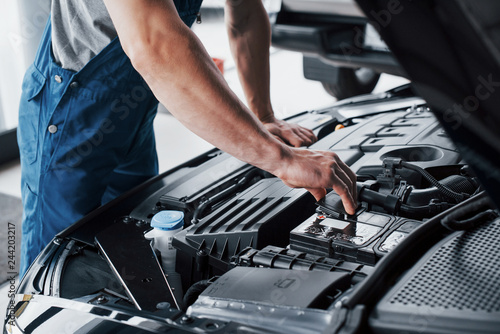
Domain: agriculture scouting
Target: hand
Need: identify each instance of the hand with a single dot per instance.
(291, 134)
(318, 170)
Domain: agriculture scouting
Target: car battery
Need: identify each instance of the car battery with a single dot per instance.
(364, 237)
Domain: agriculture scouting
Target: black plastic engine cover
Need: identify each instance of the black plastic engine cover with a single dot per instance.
(262, 215)
(452, 289)
(279, 286)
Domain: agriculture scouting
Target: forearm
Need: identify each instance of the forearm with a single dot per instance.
(198, 96)
(249, 34)
(183, 77)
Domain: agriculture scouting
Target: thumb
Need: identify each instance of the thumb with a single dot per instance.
(318, 193)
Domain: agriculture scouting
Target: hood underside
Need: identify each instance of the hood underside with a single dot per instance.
(450, 50)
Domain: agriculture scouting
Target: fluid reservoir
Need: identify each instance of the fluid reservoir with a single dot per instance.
(165, 225)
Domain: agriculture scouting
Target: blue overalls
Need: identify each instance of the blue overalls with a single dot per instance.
(84, 137)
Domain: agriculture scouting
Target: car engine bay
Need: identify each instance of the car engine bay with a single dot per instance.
(257, 255)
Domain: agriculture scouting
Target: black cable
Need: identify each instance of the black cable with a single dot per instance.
(453, 222)
(424, 211)
(225, 193)
(372, 197)
(194, 292)
(467, 224)
(457, 183)
(204, 205)
(444, 189)
(393, 205)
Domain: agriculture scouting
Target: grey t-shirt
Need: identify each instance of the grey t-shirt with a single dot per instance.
(80, 30)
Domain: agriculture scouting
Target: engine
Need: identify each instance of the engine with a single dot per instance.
(258, 253)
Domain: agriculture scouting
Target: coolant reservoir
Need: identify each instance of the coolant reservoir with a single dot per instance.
(165, 225)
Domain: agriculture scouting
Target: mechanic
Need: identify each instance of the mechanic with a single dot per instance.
(88, 103)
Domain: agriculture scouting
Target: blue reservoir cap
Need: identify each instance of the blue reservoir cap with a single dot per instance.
(168, 220)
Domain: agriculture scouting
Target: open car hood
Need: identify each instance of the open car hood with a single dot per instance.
(450, 51)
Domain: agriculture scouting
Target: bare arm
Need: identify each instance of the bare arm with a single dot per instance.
(249, 34)
(184, 78)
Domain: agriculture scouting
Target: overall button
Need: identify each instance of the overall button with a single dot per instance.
(58, 78)
(52, 128)
(74, 85)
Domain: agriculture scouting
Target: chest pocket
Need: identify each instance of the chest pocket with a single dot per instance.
(29, 114)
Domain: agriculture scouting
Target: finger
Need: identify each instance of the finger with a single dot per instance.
(318, 193)
(311, 137)
(341, 189)
(304, 136)
(309, 134)
(305, 141)
(340, 173)
(348, 171)
(305, 130)
(354, 178)
(294, 138)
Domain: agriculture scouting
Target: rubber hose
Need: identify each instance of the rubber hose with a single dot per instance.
(194, 292)
(444, 189)
(467, 224)
(421, 212)
(461, 212)
(226, 192)
(460, 184)
(457, 183)
(371, 196)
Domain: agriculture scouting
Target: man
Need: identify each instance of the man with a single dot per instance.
(90, 98)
